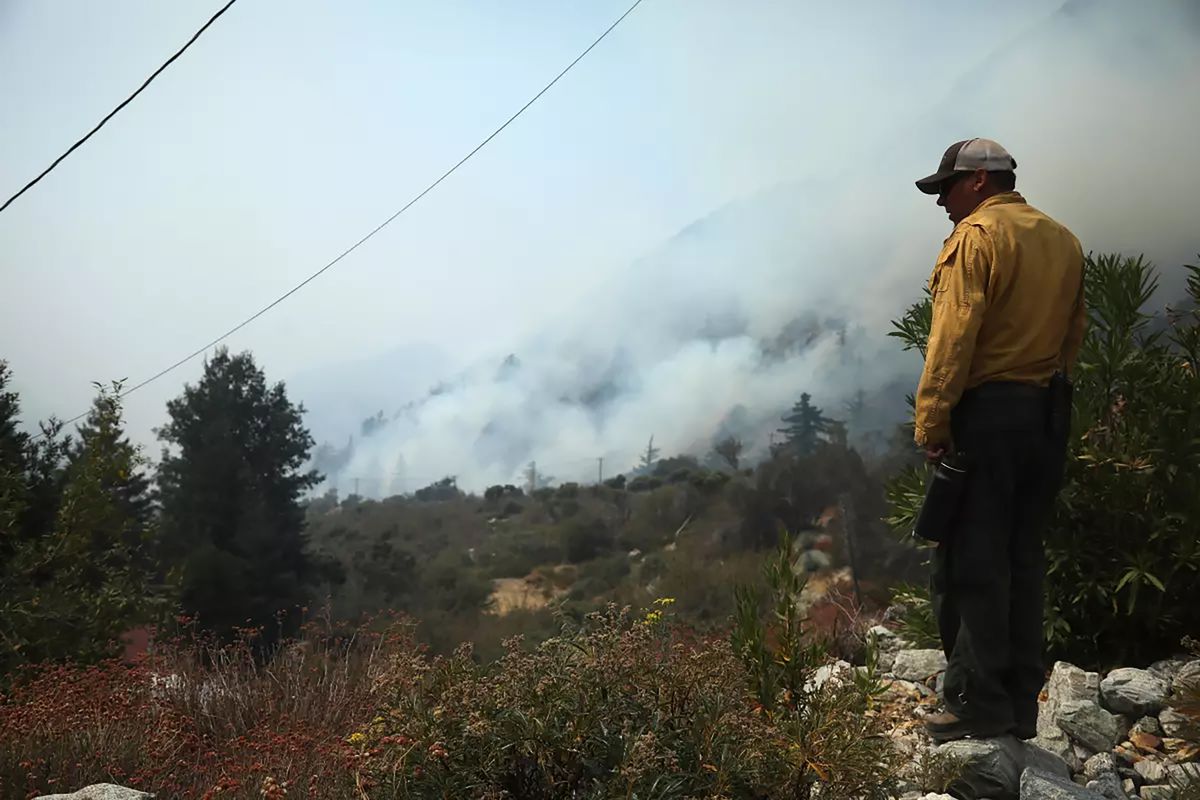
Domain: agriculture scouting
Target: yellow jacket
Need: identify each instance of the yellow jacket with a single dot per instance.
(1007, 306)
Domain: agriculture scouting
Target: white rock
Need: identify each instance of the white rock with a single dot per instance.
(919, 665)
(913, 686)
(1188, 672)
(1108, 785)
(1038, 785)
(1168, 668)
(1089, 725)
(1151, 771)
(1183, 773)
(1100, 764)
(1157, 793)
(990, 767)
(1148, 725)
(1178, 726)
(993, 767)
(1133, 691)
(885, 638)
(1067, 682)
(100, 791)
(835, 672)
(936, 797)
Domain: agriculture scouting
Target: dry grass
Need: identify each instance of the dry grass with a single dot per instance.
(198, 719)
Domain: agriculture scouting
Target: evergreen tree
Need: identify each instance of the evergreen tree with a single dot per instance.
(730, 449)
(230, 483)
(650, 456)
(70, 592)
(31, 472)
(13, 444)
(806, 426)
(129, 489)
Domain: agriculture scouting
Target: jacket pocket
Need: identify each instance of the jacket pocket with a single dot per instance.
(938, 281)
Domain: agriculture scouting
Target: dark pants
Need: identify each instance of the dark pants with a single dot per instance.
(988, 575)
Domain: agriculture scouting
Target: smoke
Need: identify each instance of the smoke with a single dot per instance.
(791, 288)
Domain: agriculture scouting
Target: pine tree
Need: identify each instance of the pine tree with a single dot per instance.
(730, 449)
(13, 443)
(31, 471)
(806, 426)
(230, 482)
(650, 456)
(130, 489)
(71, 591)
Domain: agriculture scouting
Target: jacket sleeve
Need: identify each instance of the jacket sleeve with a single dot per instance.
(1076, 327)
(958, 286)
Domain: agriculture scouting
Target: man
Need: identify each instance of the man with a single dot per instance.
(1008, 313)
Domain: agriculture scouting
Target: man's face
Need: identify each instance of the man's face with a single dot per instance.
(959, 194)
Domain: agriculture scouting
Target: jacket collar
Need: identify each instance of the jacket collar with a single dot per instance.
(1004, 198)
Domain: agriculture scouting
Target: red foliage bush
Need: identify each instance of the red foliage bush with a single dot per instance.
(197, 719)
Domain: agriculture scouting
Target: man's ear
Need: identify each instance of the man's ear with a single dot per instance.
(978, 180)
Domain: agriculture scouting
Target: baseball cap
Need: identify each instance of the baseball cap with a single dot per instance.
(968, 156)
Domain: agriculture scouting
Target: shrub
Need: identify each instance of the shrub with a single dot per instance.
(516, 552)
(621, 706)
(604, 574)
(644, 483)
(615, 483)
(1123, 547)
(618, 705)
(199, 719)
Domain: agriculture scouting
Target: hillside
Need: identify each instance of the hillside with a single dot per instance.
(483, 567)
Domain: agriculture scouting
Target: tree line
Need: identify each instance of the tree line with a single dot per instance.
(95, 543)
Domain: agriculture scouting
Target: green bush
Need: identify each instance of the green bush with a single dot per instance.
(585, 539)
(617, 483)
(644, 483)
(605, 573)
(632, 706)
(835, 724)
(517, 552)
(1123, 547)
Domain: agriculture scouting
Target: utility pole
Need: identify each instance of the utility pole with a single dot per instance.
(531, 476)
(356, 494)
(600, 470)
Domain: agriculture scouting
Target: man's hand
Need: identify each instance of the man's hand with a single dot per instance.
(934, 452)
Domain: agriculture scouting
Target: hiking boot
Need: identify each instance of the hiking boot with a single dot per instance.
(946, 727)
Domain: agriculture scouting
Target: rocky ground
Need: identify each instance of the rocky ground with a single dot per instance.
(1119, 736)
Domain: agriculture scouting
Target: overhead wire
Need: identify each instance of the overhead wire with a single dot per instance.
(116, 110)
(379, 227)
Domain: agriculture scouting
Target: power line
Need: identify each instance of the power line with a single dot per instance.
(114, 112)
(382, 225)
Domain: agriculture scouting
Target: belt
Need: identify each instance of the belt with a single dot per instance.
(1002, 405)
(1005, 390)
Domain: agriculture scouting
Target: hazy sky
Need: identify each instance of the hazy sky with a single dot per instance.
(292, 128)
